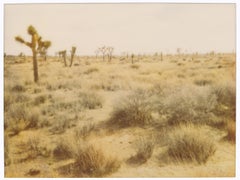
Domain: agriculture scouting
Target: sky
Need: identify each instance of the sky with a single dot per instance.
(133, 28)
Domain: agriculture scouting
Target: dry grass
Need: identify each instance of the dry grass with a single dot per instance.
(190, 144)
(145, 147)
(134, 110)
(231, 131)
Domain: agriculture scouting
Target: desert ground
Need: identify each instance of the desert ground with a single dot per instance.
(169, 116)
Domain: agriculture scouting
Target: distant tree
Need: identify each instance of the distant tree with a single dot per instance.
(36, 46)
(97, 52)
(42, 49)
(132, 56)
(72, 55)
(103, 50)
(110, 51)
(63, 54)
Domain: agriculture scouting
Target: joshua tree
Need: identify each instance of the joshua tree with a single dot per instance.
(103, 50)
(161, 56)
(97, 52)
(110, 51)
(36, 45)
(63, 54)
(42, 48)
(72, 54)
(132, 56)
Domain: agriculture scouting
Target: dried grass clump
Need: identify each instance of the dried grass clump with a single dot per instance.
(90, 161)
(21, 117)
(63, 150)
(90, 100)
(40, 100)
(203, 82)
(226, 98)
(190, 144)
(145, 147)
(134, 110)
(91, 70)
(85, 131)
(18, 88)
(231, 131)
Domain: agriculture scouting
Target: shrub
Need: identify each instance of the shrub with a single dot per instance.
(231, 131)
(189, 104)
(134, 110)
(135, 66)
(62, 150)
(84, 131)
(18, 88)
(40, 100)
(190, 144)
(144, 151)
(91, 70)
(7, 160)
(21, 118)
(226, 98)
(92, 162)
(90, 100)
(203, 82)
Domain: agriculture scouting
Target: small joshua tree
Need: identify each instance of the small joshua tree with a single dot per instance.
(63, 54)
(72, 55)
(36, 46)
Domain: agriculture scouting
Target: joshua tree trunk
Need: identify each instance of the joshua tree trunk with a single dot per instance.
(35, 66)
(72, 55)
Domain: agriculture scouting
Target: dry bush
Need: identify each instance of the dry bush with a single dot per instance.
(40, 100)
(32, 148)
(63, 150)
(18, 88)
(21, 118)
(134, 110)
(90, 161)
(7, 159)
(231, 131)
(61, 123)
(145, 148)
(190, 144)
(189, 104)
(90, 100)
(203, 82)
(91, 70)
(226, 98)
(85, 131)
(135, 66)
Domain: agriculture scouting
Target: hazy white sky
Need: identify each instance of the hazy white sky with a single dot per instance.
(137, 28)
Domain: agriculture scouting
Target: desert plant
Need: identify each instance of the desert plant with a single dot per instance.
(63, 54)
(231, 131)
(226, 98)
(84, 131)
(36, 45)
(145, 148)
(91, 70)
(7, 160)
(134, 110)
(189, 104)
(90, 100)
(93, 162)
(103, 50)
(62, 150)
(189, 143)
(110, 51)
(73, 51)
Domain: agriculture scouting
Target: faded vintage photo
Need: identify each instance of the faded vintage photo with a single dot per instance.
(119, 90)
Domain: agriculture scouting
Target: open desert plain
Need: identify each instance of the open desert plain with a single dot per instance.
(121, 90)
(158, 116)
